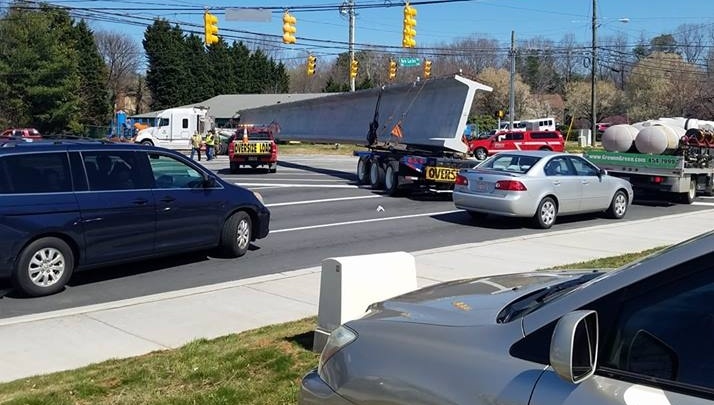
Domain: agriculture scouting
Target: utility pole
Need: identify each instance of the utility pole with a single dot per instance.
(351, 12)
(512, 91)
(593, 79)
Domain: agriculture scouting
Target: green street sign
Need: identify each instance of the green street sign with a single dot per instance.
(633, 159)
(409, 62)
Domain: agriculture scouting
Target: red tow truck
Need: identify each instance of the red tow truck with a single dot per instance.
(253, 146)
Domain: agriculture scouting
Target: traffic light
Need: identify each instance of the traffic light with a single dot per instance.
(311, 63)
(210, 28)
(354, 67)
(409, 32)
(392, 69)
(427, 69)
(289, 29)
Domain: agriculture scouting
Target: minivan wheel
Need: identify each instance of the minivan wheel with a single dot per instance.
(545, 215)
(237, 231)
(44, 267)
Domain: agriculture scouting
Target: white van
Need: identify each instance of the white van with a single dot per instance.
(174, 127)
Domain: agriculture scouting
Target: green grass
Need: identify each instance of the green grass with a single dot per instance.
(609, 262)
(263, 366)
(318, 149)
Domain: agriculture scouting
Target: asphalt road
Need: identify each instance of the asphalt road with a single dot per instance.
(317, 212)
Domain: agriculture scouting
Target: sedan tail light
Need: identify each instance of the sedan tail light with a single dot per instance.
(510, 185)
(461, 180)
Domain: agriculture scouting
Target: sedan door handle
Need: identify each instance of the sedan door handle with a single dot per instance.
(585, 181)
(556, 182)
(168, 199)
(140, 201)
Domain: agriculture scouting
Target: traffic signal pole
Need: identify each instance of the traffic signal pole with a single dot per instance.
(351, 12)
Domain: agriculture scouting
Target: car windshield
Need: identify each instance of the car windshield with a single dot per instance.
(509, 163)
(529, 303)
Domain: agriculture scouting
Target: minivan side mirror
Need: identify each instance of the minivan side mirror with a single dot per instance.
(209, 182)
(574, 346)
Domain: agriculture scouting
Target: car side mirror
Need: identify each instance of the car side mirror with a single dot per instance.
(602, 172)
(574, 346)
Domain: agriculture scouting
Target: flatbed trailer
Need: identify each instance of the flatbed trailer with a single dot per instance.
(659, 174)
(402, 170)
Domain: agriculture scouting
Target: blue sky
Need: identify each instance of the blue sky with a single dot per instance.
(436, 23)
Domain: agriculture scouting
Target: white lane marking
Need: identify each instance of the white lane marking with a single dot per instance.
(323, 200)
(363, 221)
(702, 203)
(286, 179)
(282, 185)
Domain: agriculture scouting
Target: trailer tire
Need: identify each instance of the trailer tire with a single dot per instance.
(376, 175)
(363, 171)
(480, 154)
(391, 179)
(691, 194)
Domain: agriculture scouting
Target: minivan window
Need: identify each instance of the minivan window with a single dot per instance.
(35, 173)
(171, 173)
(116, 170)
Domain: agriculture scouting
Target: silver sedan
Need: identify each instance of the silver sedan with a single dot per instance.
(540, 185)
(640, 335)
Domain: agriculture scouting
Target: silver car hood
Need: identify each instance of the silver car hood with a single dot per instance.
(469, 302)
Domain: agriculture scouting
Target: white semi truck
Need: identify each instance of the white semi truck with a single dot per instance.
(174, 127)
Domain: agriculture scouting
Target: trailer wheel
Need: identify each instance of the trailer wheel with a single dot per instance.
(691, 194)
(376, 175)
(391, 180)
(363, 171)
(480, 154)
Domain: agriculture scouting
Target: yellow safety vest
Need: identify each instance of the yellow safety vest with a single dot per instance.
(209, 140)
(196, 141)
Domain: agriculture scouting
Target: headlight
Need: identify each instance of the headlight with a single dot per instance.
(338, 339)
(259, 197)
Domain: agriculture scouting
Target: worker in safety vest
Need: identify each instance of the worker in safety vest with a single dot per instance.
(210, 137)
(196, 142)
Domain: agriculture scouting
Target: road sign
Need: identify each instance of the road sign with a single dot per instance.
(248, 14)
(409, 62)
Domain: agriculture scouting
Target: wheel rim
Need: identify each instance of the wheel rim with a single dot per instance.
(46, 267)
(389, 181)
(243, 234)
(547, 212)
(620, 204)
(480, 154)
(692, 190)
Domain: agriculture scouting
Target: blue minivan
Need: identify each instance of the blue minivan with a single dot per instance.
(74, 205)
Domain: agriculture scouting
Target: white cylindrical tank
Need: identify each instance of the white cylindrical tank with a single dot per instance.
(658, 139)
(619, 138)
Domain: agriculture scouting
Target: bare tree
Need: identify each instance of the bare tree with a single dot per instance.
(123, 58)
(471, 55)
(615, 58)
(690, 40)
(568, 61)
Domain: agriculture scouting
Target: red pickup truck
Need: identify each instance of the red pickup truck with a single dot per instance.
(518, 140)
(253, 146)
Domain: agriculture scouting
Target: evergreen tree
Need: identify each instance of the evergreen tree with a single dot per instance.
(167, 74)
(200, 78)
(221, 67)
(43, 82)
(241, 55)
(95, 105)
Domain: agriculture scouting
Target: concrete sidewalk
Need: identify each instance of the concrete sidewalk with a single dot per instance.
(86, 335)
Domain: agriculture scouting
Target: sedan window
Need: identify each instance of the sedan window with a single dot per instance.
(582, 167)
(510, 163)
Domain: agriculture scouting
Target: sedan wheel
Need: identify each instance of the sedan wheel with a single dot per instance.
(618, 206)
(545, 214)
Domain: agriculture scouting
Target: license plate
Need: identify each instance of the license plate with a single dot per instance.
(446, 174)
(252, 148)
(252, 158)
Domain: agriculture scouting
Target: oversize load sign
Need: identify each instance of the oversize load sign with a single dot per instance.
(446, 174)
(634, 159)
